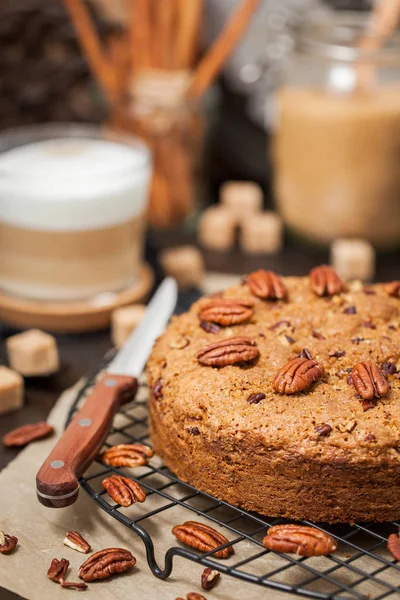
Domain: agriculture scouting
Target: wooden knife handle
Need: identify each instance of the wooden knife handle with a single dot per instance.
(57, 480)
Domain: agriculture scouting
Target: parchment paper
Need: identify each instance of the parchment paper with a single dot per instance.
(41, 531)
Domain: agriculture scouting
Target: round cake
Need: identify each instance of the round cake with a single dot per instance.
(282, 396)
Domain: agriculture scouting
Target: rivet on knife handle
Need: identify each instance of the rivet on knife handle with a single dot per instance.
(57, 481)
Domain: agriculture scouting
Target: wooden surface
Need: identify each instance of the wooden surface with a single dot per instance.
(81, 353)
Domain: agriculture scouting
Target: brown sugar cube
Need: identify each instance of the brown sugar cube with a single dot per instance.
(353, 258)
(242, 197)
(262, 234)
(33, 353)
(123, 322)
(217, 228)
(11, 390)
(185, 264)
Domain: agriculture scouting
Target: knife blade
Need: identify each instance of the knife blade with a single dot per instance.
(57, 480)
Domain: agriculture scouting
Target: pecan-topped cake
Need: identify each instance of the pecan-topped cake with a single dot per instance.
(282, 396)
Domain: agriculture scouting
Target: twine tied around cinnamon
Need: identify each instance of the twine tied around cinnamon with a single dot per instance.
(159, 96)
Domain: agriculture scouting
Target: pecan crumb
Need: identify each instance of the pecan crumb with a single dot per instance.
(318, 336)
(370, 438)
(289, 339)
(278, 324)
(323, 430)
(209, 578)
(368, 324)
(389, 368)
(194, 431)
(305, 353)
(157, 389)
(350, 310)
(210, 327)
(337, 354)
(357, 340)
(367, 405)
(256, 398)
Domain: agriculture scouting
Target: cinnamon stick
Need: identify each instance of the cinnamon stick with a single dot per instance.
(140, 26)
(120, 61)
(165, 16)
(220, 51)
(190, 14)
(383, 22)
(92, 47)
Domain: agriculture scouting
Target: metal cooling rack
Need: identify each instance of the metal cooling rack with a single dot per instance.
(361, 564)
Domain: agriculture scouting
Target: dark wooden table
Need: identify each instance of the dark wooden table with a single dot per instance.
(81, 353)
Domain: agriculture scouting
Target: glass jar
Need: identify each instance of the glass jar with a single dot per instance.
(337, 144)
(72, 204)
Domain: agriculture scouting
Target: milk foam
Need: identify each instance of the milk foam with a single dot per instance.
(69, 184)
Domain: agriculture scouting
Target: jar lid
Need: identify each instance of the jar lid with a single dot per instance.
(337, 38)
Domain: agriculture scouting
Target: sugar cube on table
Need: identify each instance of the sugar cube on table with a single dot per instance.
(353, 258)
(123, 322)
(33, 353)
(217, 228)
(11, 390)
(185, 264)
(242, 197)
(262, 233)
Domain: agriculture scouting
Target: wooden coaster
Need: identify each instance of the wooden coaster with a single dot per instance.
(73, 317)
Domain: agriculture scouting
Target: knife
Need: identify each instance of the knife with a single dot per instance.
(57, 480)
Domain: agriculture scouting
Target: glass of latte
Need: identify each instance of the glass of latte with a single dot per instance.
(72, 211)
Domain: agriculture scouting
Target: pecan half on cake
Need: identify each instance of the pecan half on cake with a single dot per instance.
(291, 409)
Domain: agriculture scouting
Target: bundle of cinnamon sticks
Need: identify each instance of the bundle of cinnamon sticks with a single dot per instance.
(152, 77)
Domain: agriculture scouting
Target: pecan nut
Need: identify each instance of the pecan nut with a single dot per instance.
(393, 289)
(74, 540)
(209, 578)
(194, 596)
(105, 563)
(297, 375)
(127, 455)
(227, 312)
(123, 490)
(7, 543)
(57, 570)
(394, 545)
(300, 540)
(266, 285)
(324, 281)
(369, 381)
(202, 537)
(228, 352)
(26, 434)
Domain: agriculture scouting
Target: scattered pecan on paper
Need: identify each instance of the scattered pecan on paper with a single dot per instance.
(27, 433)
